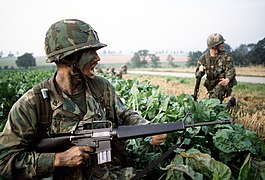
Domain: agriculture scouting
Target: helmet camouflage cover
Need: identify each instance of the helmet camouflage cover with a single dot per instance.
(214, 39)
(68, 36)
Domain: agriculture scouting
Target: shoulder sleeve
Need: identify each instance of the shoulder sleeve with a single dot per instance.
(17, 139)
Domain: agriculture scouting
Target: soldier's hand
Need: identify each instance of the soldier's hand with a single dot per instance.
(202, 68)
(224, 81)
(158, 139)
(72, 157)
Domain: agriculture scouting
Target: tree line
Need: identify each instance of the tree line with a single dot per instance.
(244, 55)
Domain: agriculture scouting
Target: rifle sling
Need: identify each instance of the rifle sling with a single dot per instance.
(155, 162)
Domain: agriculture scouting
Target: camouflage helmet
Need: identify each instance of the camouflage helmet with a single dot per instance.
(214, 40)
(68, 36)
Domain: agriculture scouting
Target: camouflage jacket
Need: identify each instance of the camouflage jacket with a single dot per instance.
(32, 118)
(216, 68)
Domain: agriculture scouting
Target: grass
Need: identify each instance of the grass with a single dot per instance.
(252, 71)
(10, 63)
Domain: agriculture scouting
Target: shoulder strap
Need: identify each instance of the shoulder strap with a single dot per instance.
(43, 107)
(155, 162)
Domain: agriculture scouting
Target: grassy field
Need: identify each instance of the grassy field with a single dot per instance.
(106, 61)
(250, 109)
(253, 71)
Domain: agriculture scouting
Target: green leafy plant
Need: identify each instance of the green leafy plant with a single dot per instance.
(217, 152)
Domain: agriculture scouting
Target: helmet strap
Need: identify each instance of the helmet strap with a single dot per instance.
(78, 70)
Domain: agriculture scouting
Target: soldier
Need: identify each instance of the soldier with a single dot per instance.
(56, 106)
(124, 69)
(217, 64)
(112, 71)
(99, 70)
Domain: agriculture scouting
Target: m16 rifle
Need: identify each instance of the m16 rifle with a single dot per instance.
(197, 88)
(197, 84)
(100, 138)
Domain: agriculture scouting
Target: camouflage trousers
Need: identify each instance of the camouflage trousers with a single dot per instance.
(220, 92)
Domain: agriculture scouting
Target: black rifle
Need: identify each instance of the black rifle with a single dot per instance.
(197, 88)
(100, 138)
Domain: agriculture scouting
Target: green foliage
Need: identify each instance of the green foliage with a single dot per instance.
(26, 60)
(197, 165)
(193, 58)
(155, 61)
(257, 54)
(240, 55)
(171, 62)
(139, 59)
(235, 140)
(212, 152)
(212, 161)
(15, 83)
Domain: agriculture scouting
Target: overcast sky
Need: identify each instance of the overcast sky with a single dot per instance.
(132, 25)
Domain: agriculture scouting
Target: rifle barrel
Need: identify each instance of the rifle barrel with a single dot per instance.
(208, 123)
(135, 131)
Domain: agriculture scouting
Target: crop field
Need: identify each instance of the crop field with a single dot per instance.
(250, 98)
(233, 151)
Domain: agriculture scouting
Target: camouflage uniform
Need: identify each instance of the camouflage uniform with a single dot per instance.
(32, 118)
(216, 68)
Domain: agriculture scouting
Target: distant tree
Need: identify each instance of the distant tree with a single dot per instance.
(1, 54)
(10, 54)
(240, 55)
(155, 61)
(251, 46)
(26, 60)
(193, 58)
(135, 60)
(143, 57)
(227, 48)
(171, 60)
(139, 59)
(257, 53)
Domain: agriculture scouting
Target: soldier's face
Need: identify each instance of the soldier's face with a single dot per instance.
(88, 62)
(221, 47)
